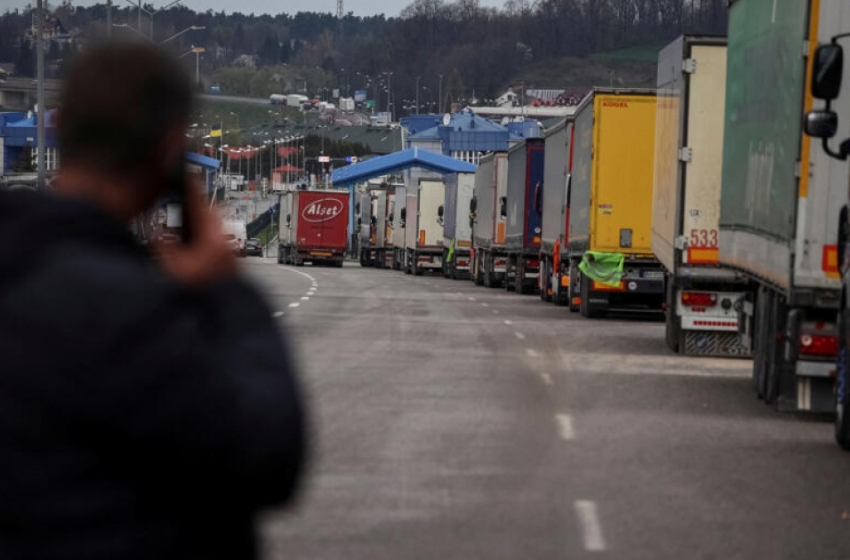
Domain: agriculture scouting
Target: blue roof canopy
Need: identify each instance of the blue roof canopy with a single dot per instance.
(203, 161)
(399, 161)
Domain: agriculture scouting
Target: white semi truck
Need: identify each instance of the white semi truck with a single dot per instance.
(701, 295)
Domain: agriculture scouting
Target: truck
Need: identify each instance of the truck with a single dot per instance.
(277, 99)
(313, 227)
(609, 242)
(423, 237)
(374, 220)
(524, 215)
(488, 210)
(831, 109)
(399, 227)
(701, 296)
(779, 201)
(457, 229)
(296, 100)
(554, 280)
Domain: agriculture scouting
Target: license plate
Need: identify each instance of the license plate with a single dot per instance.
(316, 254)
(653, 274)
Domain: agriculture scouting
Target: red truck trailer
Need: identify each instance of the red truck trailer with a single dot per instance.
(313, 227)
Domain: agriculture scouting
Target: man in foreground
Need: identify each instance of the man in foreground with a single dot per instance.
(147, 406)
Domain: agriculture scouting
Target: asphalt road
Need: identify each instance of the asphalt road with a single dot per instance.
(457, 422)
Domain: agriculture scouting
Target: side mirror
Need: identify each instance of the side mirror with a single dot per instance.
(288, 220)
(821, 124)
(403, 216)
(503, 207)
(357, 208)
(827, 72)
(373, 221)
(440, 211)
(538, 198)
(473, 205)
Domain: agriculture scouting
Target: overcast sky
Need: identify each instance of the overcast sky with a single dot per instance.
(359, 7)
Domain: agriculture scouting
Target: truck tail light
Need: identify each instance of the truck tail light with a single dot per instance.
(699, 299)
(601, 287)
(818, 345)
(565, 281)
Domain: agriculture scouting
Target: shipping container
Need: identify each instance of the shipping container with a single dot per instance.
(313, 227)
(701, 296)
(457, 227)
(523, 225)
(780, 199)
(610, 196)
(489, 213)
(423, 230)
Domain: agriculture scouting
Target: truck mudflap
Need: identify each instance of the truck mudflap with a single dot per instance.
(713, 343)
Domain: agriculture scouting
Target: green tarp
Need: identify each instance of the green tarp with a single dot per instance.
(605, 268)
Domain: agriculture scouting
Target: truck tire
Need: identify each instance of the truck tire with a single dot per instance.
(586, 308)
(544, 279)
(842, 389)
(574, 287)
(673, 328)
(487, 274)
(477, 270)
(519, 277)
(759, 343)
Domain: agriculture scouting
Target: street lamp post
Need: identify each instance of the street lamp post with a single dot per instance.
(417, 94)
(42, 113)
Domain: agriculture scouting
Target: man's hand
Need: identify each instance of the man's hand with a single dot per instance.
(208, 256)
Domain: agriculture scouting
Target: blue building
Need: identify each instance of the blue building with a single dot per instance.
(18, 144)
(465, 135)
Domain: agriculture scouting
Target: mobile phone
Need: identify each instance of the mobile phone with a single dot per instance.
(169, 219)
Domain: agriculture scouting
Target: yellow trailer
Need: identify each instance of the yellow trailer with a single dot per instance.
(610, 203)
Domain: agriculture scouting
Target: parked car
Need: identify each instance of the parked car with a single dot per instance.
(253, 248)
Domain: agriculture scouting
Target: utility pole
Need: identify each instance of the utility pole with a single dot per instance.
(417, 94)
(108, 18)
(440, 99)
(41, 114)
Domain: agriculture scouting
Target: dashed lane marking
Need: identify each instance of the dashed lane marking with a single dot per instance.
(547, 379)
(470, 298)
(519, 335)
(590, 528)
(485, 304)
(565, 427)
(294, 304)
(305, 298)
(508, 322)
(531, 353)
(277, 314)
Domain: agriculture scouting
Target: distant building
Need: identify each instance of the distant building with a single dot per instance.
(18, 144)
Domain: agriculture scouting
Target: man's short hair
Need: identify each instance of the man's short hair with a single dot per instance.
(119, 100)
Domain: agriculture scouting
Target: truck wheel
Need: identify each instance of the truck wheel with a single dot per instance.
(775, 358)
(544, 280)
(759, 343)
(519, 276)
(487, 275)
(574, 287)
(673, 328)
(586, 308)
(414, 264)
(842, 415)
(477, 272)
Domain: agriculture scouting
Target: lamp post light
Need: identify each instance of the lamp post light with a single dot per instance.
(179, 33)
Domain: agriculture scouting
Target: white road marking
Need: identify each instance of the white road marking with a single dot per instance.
(531, 353)
(773, 18)
(294, 304)
(507, 322)
(590, 527)
(305, 298)
(495, 312)
(277, 314)
(599, 363)
(547, 379)
(565, 427)
(470, 298)
(519, 335)
(485, 304)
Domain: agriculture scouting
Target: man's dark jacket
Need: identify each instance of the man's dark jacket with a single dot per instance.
(138, 419)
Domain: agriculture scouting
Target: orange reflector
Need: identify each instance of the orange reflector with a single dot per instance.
(500, 234)
(830, 261)
(576, 301)
(422, 237)
(565, 281)
(702, 255)
(600, 287)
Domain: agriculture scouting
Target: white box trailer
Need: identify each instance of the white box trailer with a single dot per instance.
(457, 228)
(376, 206)
(489, 211)
(701, 295)
(423, 229)
(399, 227)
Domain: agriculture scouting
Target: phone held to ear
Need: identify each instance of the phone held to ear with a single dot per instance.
(168, 219)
